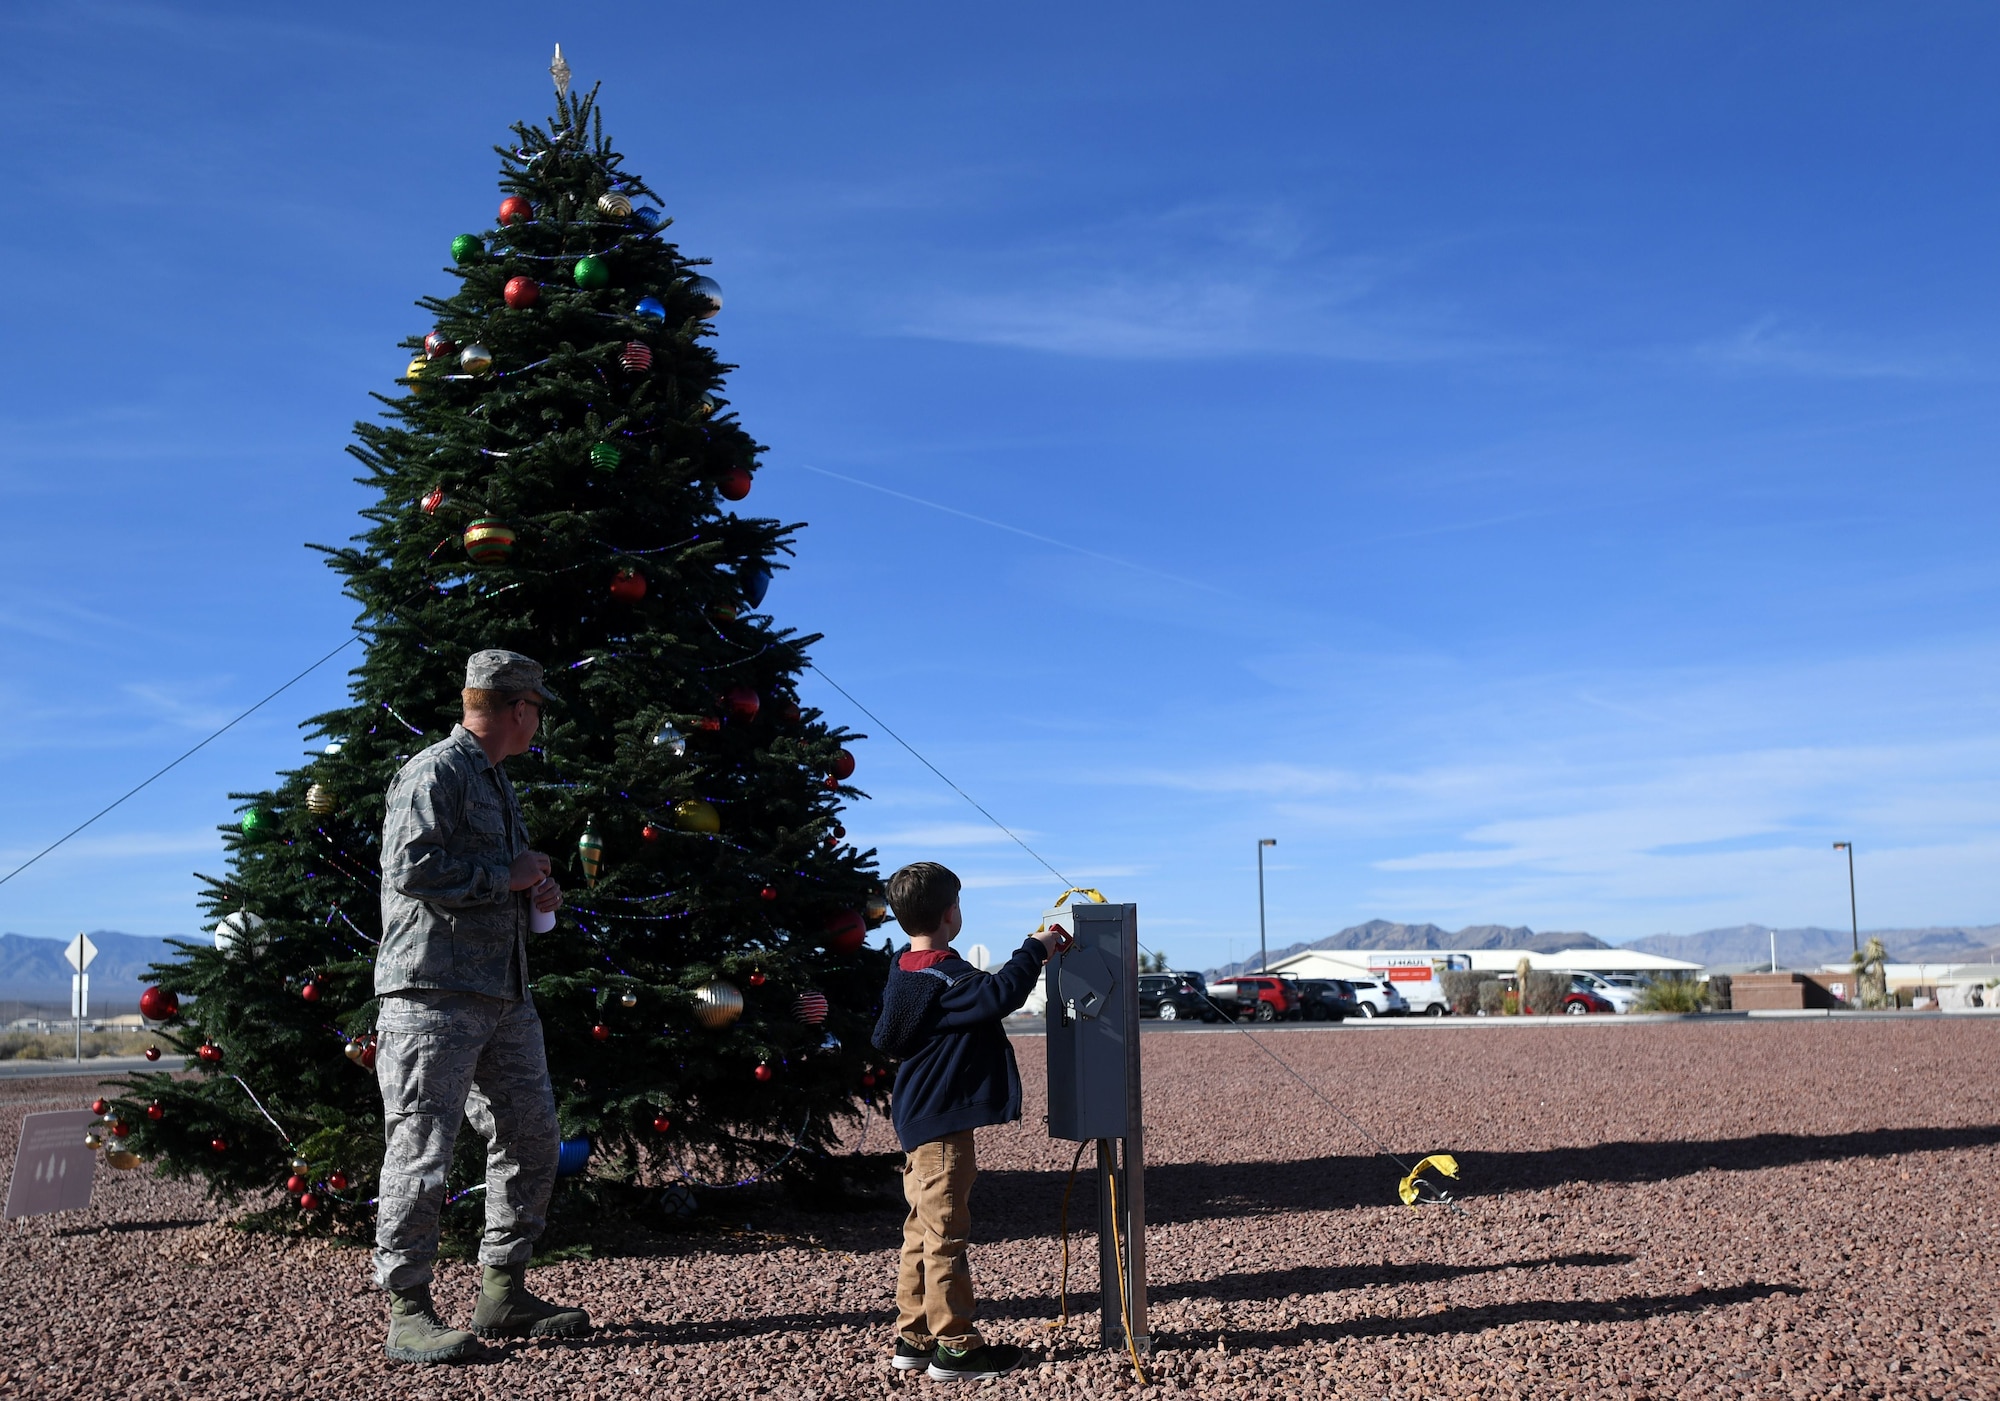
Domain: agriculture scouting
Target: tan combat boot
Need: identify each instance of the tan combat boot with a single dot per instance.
(507, 1310)
(416, 1334)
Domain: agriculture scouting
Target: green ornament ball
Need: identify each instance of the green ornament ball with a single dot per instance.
(591, 273)
(256, 823)
(605, 457)
(466, 247)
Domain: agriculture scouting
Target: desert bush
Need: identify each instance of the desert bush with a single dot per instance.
(61, 1045)
(1493, 997)
(1462, 989)
(1545, 991)
(1673, 995)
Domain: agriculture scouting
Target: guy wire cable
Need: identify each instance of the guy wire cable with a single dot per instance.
(1229, 1020)
(190, 754)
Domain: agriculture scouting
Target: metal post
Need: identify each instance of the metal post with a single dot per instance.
(1263, 953)
(1854, 918)
(1130, 1171)
(1774, 950)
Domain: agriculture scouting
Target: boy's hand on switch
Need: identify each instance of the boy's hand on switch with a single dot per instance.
(1056, 939)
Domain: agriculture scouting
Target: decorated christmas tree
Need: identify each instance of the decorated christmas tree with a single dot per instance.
(555, 477)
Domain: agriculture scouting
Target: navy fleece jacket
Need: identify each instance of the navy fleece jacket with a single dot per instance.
(943, 1022)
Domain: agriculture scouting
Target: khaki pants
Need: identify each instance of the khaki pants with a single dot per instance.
(934, 1285)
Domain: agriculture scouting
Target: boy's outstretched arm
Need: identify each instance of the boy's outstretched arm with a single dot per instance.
(987, 997)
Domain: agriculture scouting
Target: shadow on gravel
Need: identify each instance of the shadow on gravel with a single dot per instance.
(1011, 1205)
(115, 1228)
(1629, 1308)
(1325, 1279)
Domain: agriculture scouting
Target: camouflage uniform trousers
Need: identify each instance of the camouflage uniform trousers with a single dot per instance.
(445, 1056)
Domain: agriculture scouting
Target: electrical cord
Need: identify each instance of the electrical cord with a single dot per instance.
(1124, 1301)
(1062, 1288)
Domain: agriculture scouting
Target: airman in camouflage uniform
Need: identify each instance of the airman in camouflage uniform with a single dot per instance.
(457, 1034)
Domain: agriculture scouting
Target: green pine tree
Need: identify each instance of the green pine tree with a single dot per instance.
(567, 399)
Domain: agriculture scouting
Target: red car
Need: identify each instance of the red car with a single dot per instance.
(1259, 995)
(1579, 1001)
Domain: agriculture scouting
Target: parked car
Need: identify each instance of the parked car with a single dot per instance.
(1263, 996)
(1174, 997)
(1581, 1000)
(1378, 997)
(1419, 986)
(1621, 998)
(1327, 1000)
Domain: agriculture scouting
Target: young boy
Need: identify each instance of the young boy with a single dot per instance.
(941, 1017)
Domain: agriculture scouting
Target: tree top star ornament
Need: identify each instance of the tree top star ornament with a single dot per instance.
(559, 70)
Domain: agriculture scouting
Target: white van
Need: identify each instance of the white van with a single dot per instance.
(1418, 982)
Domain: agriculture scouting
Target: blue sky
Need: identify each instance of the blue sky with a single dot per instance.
(1537, 464)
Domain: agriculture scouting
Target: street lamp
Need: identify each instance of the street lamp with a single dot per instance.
(1853, 918)
(1263, 954)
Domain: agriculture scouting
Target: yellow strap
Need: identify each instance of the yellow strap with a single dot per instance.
(1096, 897)
(1407, 1188)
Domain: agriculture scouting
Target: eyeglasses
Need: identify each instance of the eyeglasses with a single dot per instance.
(535, 703)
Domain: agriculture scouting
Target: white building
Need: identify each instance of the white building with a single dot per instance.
(1349, 963)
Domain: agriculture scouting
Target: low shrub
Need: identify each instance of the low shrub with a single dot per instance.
(1673, 995)
(1493, 998)
(1545, 992)
(1462, 989)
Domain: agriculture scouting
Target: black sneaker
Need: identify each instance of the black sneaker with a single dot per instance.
(975, 1364)
(909, 1357)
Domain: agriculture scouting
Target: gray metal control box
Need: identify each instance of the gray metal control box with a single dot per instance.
(1093, 1025)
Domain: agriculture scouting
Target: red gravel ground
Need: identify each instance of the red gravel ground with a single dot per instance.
(1773, 1208)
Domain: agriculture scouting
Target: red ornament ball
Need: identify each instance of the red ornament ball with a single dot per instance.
(433, 499)
(338, 1181)
(156, 1005)
(763, 1070)
(628, 584)
(368, 1056)
(100, 1107)
(209, 1052)
(522, 292)
(601, 1032)
(810, 1008)
(788, 710)
(868, 1080)
(152, 1053)
(734, 484)
(120, 1128)
(757, 978)
(637, 357)
(742, 702)
(649, 832)
(767, 893)
(515, 210)
(295, 1184)
(846, 931)
(220, 1145)
(310, 992)
(708, 722)
(662, 1124)
(437, 345)
(155, 1113)
(843, 766)
(309, 1202)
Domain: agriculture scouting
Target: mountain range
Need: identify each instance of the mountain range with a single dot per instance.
(34, 970)
(1739, 946)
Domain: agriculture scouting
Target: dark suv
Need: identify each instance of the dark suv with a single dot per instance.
(1327, 1000)
(1174, 997)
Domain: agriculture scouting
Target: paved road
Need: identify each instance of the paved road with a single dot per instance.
(100, 1066)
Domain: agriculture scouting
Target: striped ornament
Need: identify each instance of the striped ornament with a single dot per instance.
(488, 541)
(637, 357)
(810, 1008)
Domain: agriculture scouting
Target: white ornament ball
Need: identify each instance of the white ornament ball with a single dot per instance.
(241, 928)
(616, 205)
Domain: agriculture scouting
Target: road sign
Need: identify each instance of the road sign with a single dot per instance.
(980, 957)
(79, 994)
(53, 1170)
(80, 952)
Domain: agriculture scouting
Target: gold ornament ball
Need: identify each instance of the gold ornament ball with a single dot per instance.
(694, 815)
(475, 359)
(319, 800)
(414, 374)
(876, 910)
(630, 999)
(717, 1004)
(301, 1166)
(617, 206)
(123, 1159)
(95, 1140)
(354, 1049)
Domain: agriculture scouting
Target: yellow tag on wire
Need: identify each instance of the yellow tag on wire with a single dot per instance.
(1407, 1188)
(1096, 897)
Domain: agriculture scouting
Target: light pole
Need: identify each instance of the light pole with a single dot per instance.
(1854, 919)
(1263, 954)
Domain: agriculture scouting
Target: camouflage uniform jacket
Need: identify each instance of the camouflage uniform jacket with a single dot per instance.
(449, 838)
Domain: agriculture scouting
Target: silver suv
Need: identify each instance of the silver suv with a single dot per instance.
(1378, 997)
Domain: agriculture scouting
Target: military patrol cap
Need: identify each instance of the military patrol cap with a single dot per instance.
(497, 670)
